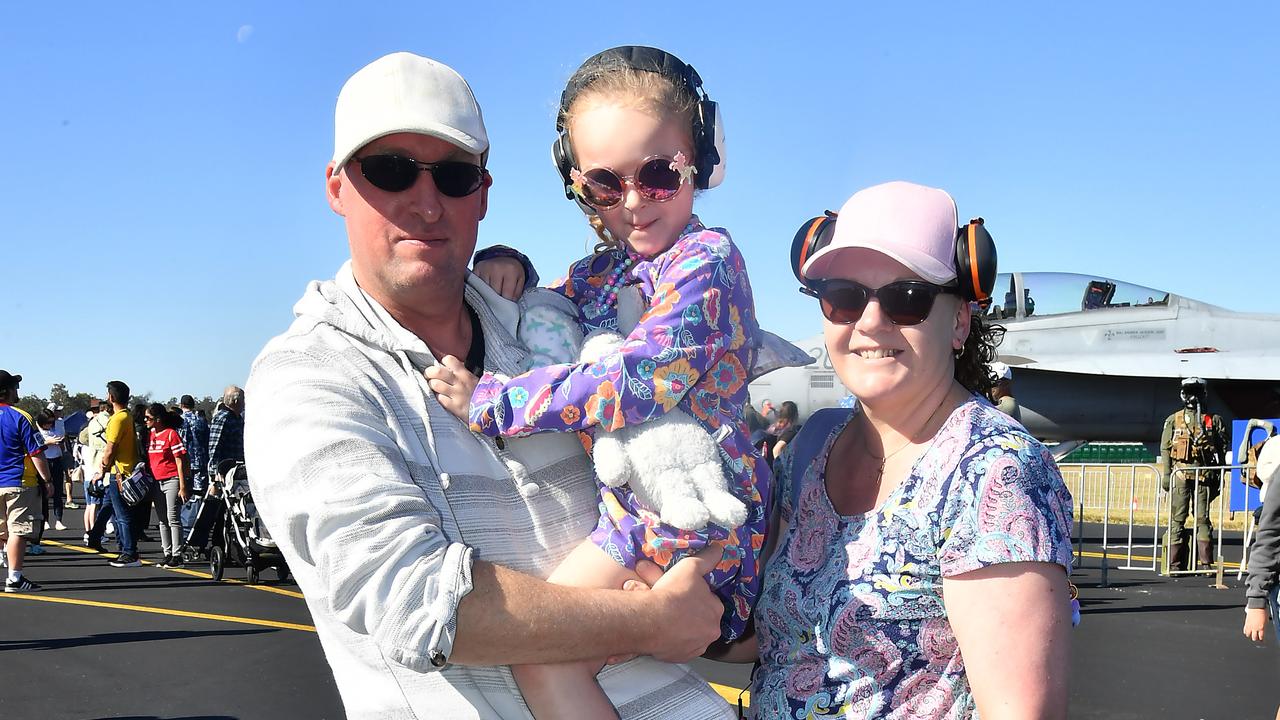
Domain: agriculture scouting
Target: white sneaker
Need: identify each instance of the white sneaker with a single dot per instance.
(47, 526)
(59, 525)
(111, 528)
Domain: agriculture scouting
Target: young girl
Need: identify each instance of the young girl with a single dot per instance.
(636, 138)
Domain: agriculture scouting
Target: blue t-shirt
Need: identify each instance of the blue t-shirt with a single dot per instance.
(17, 441)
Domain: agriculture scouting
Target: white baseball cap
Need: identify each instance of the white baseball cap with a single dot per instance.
(1001, 371)
(403, 92)
(913, 224)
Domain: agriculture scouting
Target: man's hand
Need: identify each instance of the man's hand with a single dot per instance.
(688, 613)
(453, 384)
(504, 274)
(1255, 623)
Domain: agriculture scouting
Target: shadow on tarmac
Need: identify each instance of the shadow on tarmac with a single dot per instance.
(122, 637)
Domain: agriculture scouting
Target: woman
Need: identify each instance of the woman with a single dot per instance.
(784, 430)
(929, 525)
(167, 458)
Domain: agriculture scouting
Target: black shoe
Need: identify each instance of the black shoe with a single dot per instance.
(22, 584)
(95, 545)
(123, 560)
(174, 561)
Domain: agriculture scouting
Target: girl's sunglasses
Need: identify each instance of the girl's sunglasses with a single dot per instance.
(657, 179)
(397, 173)
(904, 302)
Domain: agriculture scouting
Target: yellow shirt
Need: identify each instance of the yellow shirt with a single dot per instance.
(120, 432)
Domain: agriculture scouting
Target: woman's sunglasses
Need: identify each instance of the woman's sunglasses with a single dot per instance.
(904, 302)
(657, 179)
(397, 173)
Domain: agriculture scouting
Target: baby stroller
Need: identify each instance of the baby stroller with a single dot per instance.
(240, 539)
(202, 519)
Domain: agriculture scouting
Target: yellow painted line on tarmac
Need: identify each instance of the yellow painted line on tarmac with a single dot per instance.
(1140, 558)
(161, 611)
(731, 694)
(185, 571)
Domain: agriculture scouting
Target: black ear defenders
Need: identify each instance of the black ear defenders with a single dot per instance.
(708, 129)
(975, 254)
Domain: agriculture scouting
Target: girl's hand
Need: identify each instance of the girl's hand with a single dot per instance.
(504, 274)
(453, 384)
(182, 493)
(1255, 623)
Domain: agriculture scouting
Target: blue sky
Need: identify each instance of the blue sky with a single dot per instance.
(164, 208)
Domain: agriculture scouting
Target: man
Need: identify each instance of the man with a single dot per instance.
(226, 432)
(1002, 391)
(421, 562)
(1192, 438)
(118, 459)
(195, 437)
(93, 441)
(23, 469)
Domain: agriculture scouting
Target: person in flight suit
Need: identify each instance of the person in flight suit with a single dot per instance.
(1191, 438)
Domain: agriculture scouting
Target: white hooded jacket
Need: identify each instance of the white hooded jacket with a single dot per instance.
(381, 500)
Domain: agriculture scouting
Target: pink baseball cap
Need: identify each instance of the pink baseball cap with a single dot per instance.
(913, 224)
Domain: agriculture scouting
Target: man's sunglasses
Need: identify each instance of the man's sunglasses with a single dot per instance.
(657, 179)
(397, 173)
(904, 302)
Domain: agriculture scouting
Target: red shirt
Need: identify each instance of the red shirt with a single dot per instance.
(163, 452)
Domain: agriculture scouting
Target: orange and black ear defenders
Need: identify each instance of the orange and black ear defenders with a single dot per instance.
(975, 254)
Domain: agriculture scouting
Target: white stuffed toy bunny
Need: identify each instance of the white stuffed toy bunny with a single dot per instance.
(671, 463)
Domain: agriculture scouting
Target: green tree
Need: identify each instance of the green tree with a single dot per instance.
(32, 404)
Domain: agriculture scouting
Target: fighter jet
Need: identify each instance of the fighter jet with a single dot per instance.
(1097, 359)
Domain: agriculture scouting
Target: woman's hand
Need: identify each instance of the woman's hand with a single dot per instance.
(504, 274)
(1255, 623)
(453, 384)
(183, 493)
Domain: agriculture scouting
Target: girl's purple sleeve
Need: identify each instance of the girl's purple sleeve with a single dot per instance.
(695, 319)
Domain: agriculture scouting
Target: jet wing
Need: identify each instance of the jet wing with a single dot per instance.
(1259, 365)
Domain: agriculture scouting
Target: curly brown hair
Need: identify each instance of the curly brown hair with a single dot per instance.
(972, 362)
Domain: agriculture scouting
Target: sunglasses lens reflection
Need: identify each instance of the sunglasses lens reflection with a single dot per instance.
(907, 304)
(602, 187)
(392, 173)
(657, 181)
(844, 304)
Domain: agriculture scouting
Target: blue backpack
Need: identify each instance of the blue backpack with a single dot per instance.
(808, 443)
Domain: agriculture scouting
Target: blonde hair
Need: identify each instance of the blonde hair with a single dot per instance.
(615, 81)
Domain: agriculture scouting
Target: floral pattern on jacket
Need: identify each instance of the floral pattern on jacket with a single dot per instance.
(691, 350)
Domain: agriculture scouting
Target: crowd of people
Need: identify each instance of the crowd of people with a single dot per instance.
(41, 465)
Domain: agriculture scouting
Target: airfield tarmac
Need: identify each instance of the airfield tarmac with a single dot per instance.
(150, 643)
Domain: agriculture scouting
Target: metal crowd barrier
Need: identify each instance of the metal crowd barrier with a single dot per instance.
(1093, 486)
(1224, 476)
(1098, 487)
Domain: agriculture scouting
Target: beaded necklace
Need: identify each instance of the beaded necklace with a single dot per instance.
(613, 266)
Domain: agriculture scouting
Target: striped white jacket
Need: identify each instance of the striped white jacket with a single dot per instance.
(381, 500)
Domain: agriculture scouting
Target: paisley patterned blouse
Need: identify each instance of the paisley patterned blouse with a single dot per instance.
(691, 349)
(851, 621)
